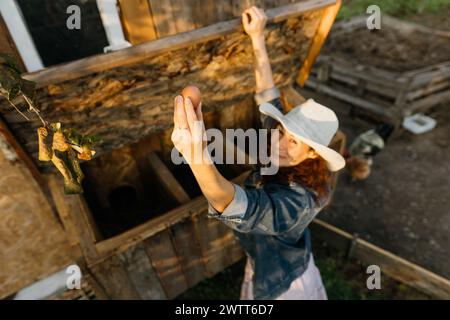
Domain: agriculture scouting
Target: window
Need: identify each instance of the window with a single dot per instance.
(55, 43)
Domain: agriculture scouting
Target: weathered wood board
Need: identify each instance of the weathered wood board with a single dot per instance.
(32, 242)
(127, 103)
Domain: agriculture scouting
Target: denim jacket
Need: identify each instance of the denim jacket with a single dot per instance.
(270, 220)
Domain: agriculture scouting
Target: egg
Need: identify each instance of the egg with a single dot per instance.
(193, 93)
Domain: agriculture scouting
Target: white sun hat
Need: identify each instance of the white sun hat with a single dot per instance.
(313, 124)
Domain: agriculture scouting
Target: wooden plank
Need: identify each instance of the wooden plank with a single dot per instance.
(82, 67)
(33, 244)
(73, 212)
(427, 90)
(182, 11)
(163, 17)
(166, 264)
(329, 15)
(362, 103)
(203, 12)
(21, 154)
(364, 72)
(142, 274)
(424, 104)
(137, 21)
(439, 74)
(189, 252)
(215, 240)
(167, 180)
(113, 278)
(223, 10)
(387, 88)
(390, 264)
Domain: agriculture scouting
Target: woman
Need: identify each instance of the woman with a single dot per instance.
(270, 214)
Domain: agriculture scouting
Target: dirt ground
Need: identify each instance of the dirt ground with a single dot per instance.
(389, 49)
(404, 206)
(440, 21)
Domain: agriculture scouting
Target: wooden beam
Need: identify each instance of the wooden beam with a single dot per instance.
(82, 67)
(167, 180)
(390, 264)
(384, 112)
(74, 216)
(329, 15)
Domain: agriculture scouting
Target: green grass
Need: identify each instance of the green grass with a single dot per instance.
(397, 8)
(343, 280)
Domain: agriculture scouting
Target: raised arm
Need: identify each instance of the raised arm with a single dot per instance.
(187, 137)
(254, 21)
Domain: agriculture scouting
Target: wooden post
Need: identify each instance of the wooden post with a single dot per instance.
(167, 180)
(73, 214)
(329, 15)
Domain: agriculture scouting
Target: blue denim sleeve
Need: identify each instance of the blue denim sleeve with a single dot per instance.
(274, 210)
(235, 210)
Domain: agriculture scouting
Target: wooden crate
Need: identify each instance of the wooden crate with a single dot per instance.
(386, 94)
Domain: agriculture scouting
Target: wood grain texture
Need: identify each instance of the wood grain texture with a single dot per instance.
(166, 179)
(137, 21)
(163, 17)
(33, 244)
(329, 15)
(166, 263)
(188, 251)
(183, 14)
(141, 273)
(113, 278)
(75, 215)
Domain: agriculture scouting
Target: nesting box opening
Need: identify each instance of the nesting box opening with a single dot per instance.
(123, 190)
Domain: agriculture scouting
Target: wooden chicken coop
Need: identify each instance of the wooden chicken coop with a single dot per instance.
(140, 229)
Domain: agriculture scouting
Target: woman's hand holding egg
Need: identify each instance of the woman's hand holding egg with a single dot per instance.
(189, 130)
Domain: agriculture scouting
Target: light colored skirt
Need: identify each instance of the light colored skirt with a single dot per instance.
(308, 286)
